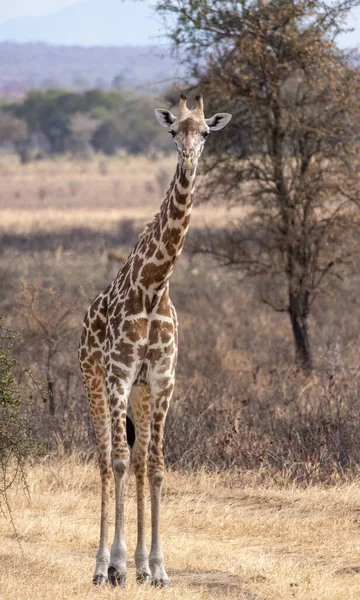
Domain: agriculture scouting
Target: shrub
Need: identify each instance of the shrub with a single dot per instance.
(17, 443)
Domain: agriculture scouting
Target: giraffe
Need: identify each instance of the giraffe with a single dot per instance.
(128, 353)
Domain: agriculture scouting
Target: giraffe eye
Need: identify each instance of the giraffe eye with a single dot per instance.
(205, 134)
(173, 133)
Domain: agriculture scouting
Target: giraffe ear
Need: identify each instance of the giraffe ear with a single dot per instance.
(165, 117)
(218, 121)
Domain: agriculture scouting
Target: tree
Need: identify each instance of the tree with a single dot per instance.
(49, 113)
(291, 152)
(132, 128)
(107, 137)
(82, 128)
(12, 130)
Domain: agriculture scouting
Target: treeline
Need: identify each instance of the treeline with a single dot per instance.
(59, 121)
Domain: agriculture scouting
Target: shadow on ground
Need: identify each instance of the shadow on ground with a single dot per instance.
(217, 583)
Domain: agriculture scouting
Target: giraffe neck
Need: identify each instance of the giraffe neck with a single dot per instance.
(163, 239)
(175, 212)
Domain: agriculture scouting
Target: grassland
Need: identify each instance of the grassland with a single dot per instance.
(225, 536)
(58, 194)
(251, 534)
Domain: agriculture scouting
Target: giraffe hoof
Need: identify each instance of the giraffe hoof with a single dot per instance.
(160, 583)
(100, 579)
(143, 578)
(116, 579)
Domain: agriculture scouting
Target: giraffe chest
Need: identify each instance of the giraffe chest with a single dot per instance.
(132, 334)
(142, 340)
(161, 352)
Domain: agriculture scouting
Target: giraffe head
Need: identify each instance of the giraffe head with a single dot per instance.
(190, 129)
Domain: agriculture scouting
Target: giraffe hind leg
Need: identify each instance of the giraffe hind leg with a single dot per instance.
(118, 392)
(94, 380)
(161, 394)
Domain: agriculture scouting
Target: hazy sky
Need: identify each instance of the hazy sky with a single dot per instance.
(30, 8)
(21, 8)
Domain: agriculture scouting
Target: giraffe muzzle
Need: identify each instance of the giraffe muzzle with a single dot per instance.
(188, 159)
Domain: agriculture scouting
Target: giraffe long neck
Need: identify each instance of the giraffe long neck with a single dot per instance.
(162, 242)
(175, 212)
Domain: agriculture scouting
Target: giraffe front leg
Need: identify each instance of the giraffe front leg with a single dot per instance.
(160, 399)
(103, 555)
(140, 404)
(117, 568)
(120, 465)
(100, 416)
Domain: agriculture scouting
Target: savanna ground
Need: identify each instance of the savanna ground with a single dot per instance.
(225, 536)
(261, 500)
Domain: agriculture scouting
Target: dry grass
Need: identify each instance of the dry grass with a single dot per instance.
(229, 536)
(59, 194)
(66, 184)
(225, 536)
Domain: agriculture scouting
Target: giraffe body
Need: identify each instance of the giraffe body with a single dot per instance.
(128, 353)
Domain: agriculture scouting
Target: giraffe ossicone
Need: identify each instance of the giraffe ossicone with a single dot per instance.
(128, 353)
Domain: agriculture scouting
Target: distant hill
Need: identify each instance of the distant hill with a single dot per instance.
(25, 66)
(89, 23)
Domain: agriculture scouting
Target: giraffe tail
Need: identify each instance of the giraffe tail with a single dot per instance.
(130, 431)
